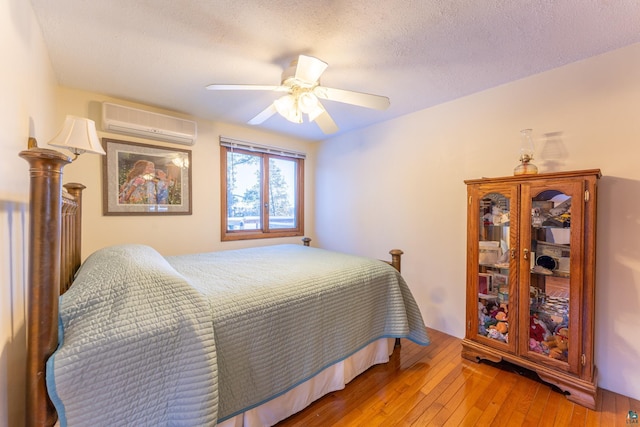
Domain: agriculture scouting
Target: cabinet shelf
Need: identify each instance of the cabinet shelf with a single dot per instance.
(553, 274)
(496, 266)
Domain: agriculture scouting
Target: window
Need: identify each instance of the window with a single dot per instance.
(262, 191)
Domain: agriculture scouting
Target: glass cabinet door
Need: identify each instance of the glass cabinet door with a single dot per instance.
(495, 213)
(551, 258)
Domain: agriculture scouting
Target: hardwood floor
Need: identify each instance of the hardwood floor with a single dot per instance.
(433, 385)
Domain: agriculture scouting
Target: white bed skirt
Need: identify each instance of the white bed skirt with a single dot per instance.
(331, 379)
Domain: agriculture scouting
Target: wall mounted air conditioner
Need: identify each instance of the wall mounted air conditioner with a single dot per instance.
(131, 121)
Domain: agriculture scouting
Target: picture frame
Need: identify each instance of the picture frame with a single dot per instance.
(144, 179)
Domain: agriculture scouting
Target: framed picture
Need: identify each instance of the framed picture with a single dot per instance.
(141, 179)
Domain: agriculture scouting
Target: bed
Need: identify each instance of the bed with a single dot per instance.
(144, 339)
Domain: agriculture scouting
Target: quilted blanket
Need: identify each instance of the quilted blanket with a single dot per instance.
(188, 340)
(283, 313)
(136, 346)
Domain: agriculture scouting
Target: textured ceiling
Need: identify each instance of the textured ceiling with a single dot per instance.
(419, 53)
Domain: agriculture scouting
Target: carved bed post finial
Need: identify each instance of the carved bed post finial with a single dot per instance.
(45, 200)
(306, 241)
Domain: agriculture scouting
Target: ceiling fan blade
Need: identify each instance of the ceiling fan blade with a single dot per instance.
(309, 69)
(247, 87)
(326, 123)
(263, 115)
(350, 97)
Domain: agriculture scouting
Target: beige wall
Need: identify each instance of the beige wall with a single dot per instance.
(27, 86)
(400, 184)
(174, 234)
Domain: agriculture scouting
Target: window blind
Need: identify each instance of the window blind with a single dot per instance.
(260, 148)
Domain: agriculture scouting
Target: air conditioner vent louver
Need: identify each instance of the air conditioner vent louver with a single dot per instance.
(132, 121)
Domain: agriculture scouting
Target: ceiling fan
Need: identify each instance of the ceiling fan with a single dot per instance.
(301, 83)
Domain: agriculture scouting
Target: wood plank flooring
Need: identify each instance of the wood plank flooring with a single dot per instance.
(434, 386)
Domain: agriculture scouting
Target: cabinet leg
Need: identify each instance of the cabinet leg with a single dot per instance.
(581, 392)
(476, 355)
(577, 390)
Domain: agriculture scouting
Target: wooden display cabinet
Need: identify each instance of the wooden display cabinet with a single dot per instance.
(531, 276)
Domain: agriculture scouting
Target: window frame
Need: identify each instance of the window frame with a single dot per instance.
(265, 232)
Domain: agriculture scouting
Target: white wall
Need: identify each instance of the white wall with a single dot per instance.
(400, 184)
(27, 86)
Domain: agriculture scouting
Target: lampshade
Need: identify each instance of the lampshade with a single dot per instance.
(307, 101)
(526, 154)
(526, 144)
(78, 135)
(308, 104)
(287, 107)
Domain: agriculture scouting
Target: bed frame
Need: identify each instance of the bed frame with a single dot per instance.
(54, 255)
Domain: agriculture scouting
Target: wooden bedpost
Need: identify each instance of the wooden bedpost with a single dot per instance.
(306, 241)
(396, 254)
(45, 203)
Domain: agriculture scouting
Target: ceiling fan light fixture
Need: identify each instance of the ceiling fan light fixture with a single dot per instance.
(307, 102)
(287, 107)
